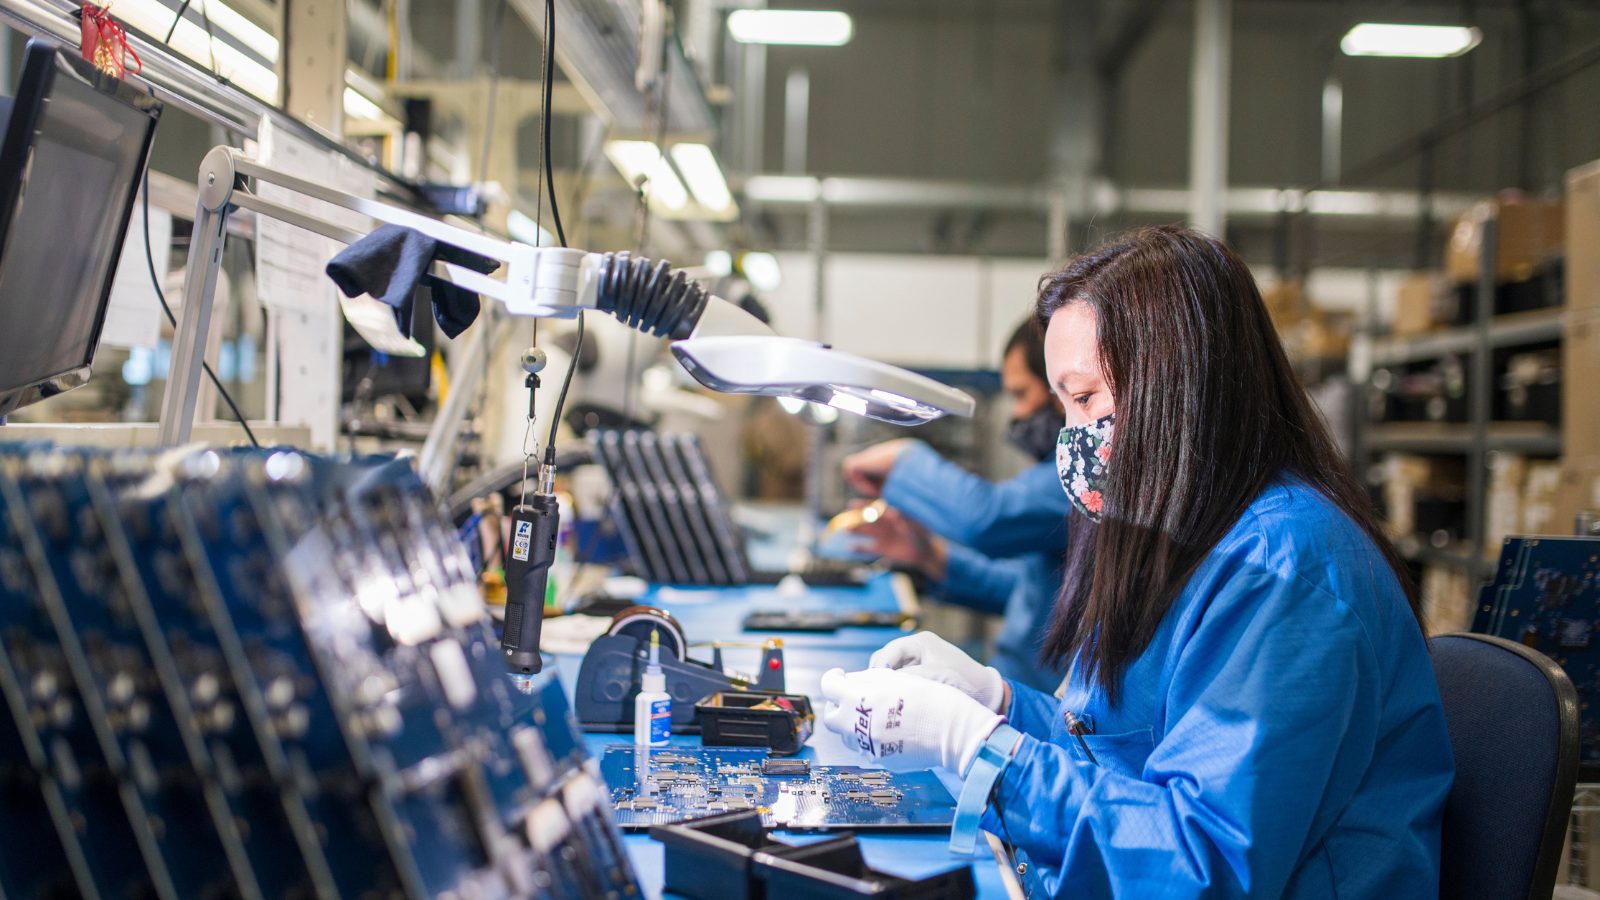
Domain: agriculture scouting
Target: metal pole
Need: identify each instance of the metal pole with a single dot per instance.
(1332, 128)
(752, 106)
(817, 226)
(1208, 126)
(796, 120)
(1480, 395)
(199, 290)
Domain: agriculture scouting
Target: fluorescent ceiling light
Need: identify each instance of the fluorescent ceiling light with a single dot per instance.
(191, 41)
(698, 166)
(790, 26)
(642, 161)
(762, 270)
(1424, 41)
(357, 106)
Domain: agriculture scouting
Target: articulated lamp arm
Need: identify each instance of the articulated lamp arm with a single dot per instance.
(721, 346)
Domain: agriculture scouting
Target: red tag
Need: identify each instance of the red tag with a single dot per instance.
(104, 43)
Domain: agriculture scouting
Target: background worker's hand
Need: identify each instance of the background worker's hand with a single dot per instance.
(903, 542)
(926, 655)
(904, 722)
(866, 470)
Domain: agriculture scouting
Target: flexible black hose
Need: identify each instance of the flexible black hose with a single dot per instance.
(649, 296)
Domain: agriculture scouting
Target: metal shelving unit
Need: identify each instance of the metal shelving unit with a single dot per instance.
(1480, 435)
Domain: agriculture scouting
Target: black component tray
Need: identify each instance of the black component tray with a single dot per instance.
(729, 719)
(731, 855)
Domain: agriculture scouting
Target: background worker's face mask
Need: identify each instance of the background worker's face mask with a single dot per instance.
(1082, 452)
(1035, 435)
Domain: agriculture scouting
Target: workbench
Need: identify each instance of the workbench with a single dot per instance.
(716, 614)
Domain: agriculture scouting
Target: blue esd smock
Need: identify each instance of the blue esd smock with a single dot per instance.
(1281, 736)
(1007, 541)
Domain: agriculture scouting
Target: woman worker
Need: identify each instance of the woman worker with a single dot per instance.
(1250, 709)
(993, 547)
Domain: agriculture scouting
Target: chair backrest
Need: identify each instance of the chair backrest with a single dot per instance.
(1513, 720)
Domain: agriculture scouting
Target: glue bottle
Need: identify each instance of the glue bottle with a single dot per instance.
(652, 709)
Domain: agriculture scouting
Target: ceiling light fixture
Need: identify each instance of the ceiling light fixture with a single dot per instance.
(815, 28)
(698, 166)
(245, 72)
(641, 161)
(1414, 41)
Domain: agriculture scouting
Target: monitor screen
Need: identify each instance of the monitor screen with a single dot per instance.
(74, 150)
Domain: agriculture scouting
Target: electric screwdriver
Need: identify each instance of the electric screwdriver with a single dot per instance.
(533, 549)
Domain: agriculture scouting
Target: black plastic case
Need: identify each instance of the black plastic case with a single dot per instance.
(731, 855)
(727, 719)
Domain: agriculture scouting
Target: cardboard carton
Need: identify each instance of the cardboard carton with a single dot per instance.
(1530, 233)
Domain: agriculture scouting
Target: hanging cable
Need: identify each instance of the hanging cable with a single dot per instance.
(183, 8)
(161, 297)
(555, 218)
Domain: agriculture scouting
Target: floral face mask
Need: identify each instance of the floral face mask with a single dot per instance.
(1082, 452)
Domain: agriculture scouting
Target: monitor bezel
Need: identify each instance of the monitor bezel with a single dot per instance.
(43, 62)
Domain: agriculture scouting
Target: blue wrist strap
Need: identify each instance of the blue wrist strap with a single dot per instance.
(993, 755)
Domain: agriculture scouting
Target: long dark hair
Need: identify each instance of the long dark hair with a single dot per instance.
(1209, 413)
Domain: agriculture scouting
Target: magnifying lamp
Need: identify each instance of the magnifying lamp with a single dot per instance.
(722, 346)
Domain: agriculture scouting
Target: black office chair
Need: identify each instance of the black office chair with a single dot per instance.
(1513, 720)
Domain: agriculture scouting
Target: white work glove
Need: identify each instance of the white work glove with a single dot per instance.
(927, 655)
(904, 722)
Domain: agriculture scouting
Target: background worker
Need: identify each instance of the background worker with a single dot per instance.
(995, 547)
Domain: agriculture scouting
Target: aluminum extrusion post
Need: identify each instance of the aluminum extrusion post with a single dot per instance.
(194, 326)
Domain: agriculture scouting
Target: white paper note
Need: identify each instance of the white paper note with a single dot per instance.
(133, 317)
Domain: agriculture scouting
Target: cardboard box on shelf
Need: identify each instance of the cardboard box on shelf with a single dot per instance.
(1580, 380)
(1541, 495)
(1551, 508)
(1416, 303)
(1507, 475)
(1446, 599)
(1583, 237)
(1530, 232)
(1285, 302)
(1407, 477)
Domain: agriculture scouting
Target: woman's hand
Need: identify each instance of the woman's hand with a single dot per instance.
(929, 656)
(905, 722)
(866, 470)
(899, 540)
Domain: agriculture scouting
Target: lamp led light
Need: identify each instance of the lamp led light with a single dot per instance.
(850, 403)
(815, 28)
(1414, 41)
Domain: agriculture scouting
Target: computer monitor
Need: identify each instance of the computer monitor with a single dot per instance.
(75, 146)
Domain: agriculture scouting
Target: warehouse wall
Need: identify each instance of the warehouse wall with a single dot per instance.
(989, 62)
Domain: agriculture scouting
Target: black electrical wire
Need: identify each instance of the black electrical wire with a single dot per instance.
(161, 296)
(555, 216)
(175, 20)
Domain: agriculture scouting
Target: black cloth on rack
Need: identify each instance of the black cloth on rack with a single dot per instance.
(393, 261)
